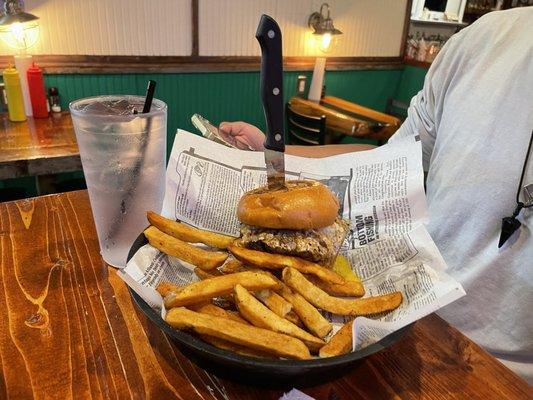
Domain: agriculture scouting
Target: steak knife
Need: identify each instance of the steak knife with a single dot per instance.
(269, 37)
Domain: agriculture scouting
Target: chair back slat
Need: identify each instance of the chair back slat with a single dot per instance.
(305, 129)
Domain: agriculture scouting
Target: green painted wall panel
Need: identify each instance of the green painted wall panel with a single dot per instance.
(224, 96)
(411, 83)
(369, 88)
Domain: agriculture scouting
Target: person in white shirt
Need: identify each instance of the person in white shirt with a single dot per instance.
(475, 119)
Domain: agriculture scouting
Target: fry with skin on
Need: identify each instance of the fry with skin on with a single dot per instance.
(345, 289)
(217, 311)
(231, 331)
(212, 309)
(203, 274)
(278, 261)
(294, 318)
(235, 348)
(340, 343)
(198, 292)
(316, 296)
(188, 233)
(184, 251)
(164, 288)
(274, 302)
(259, 315)
(233, 266)
(309, 315)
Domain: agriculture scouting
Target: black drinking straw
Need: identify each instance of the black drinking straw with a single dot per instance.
(150, 89)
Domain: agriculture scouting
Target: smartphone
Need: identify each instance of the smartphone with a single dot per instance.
(211, 132)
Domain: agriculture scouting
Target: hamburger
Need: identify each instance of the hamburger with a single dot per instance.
(300, 219)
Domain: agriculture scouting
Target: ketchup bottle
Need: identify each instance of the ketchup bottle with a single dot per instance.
(37, 92)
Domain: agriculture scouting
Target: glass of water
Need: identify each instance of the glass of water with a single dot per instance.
(123, 153)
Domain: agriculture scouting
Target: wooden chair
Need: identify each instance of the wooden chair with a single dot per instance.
(305, 129)
(344, 118)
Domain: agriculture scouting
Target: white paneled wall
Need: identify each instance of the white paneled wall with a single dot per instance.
(226, 27)
(371, 27)
(111, 27)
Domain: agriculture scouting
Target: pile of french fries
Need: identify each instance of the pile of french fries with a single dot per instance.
(270, 302)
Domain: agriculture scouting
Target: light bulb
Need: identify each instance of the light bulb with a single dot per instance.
(20, 35)
(17, 30)
(325, 42)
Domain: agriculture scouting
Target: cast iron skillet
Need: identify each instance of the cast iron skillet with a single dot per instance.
(263, 372)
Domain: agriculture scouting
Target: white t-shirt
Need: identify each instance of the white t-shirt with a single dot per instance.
(475, 119)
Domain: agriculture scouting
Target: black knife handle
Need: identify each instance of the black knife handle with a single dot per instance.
(269, 37)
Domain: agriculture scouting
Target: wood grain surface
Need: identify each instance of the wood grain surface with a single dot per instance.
(38, 146)
(69, 329)
(347, 118)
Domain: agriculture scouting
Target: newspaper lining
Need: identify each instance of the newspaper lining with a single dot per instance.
(380, 191)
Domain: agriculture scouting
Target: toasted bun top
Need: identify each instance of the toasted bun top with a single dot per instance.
(301, 204)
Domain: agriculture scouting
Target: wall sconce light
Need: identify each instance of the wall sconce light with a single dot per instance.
(322, 26)
(18, 29)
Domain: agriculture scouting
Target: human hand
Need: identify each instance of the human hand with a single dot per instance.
(242, 135)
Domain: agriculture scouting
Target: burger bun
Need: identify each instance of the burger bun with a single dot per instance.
(301, 204)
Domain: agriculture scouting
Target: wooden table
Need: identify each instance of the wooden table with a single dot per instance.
(38, 146)
(69, 329)
(349, 119)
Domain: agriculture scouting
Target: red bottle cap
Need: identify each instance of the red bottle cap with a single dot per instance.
(34, 69)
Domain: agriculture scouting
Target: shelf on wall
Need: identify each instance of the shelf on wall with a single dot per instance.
(433, 22)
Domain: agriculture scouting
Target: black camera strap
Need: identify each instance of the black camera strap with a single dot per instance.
(511, 224)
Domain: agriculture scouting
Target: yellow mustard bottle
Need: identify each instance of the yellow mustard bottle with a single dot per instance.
(15, 103)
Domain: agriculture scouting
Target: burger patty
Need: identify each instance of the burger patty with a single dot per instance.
(317, 245)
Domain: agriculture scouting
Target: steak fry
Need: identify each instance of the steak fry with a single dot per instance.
(277, 261)
(260, 339)
(320, 299)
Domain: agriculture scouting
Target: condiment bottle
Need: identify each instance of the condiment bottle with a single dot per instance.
(422, 50)
(55, 103)
(15, 103)
(3, 98)
(22, 63)
(300, 88)
(37, 92)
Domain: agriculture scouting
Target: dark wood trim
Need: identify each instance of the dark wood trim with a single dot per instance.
(195, 50)
(406, 25)
(84, 64)
(416, 63)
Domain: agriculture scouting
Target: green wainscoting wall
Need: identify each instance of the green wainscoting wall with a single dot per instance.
(411, 83)
(224, 96)
(227, 96)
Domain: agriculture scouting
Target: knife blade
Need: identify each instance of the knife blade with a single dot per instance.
(269, 37)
